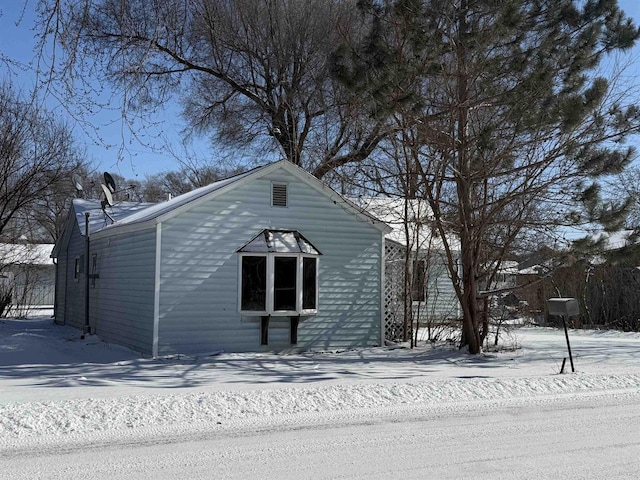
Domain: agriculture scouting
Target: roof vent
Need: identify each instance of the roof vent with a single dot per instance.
(279, 194)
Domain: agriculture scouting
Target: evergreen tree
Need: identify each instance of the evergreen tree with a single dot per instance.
(512, 125)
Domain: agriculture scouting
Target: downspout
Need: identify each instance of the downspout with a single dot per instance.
(55, 289)
(87, 327)
(66, 287)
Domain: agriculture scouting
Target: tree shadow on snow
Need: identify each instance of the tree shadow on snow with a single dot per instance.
(38, 354)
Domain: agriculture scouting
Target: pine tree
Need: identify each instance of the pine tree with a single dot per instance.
(513, 124)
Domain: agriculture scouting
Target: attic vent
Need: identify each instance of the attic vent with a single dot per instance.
(279, 194)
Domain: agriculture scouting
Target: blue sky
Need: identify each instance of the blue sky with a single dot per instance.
(135, 160)
(112, 147)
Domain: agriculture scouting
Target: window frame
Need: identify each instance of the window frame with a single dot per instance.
(78, 267)
(270, 287)
(240, 283)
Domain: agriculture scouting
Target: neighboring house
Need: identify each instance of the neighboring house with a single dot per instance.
(27, 275)
(430, 289)
(268, 260)
(548, 273)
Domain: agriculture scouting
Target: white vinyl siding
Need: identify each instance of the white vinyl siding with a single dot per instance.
(439, 302)
(70, 290)
(121, 304)
(200, 268)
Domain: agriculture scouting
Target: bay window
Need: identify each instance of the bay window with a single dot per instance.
(278, 275)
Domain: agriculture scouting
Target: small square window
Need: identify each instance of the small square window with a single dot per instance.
(78, 267)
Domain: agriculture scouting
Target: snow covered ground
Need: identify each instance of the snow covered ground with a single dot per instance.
(61, 394)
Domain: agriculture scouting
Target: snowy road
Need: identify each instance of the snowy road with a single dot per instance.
(574, 436)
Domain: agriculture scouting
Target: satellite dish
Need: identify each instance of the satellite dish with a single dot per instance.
(76, 179)
(108, 197)
(110, 182)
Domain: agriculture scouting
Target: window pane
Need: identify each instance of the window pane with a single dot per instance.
(284, 283)
(254, 284)
(418, 281)
(309, 283)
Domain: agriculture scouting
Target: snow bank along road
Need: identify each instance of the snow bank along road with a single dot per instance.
(575, 436)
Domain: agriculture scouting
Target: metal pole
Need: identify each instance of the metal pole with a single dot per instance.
(566, 334)
(87, 328)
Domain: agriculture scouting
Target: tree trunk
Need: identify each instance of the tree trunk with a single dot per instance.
(469, 303)
(465, 191)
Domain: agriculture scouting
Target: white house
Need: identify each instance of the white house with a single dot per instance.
(271, 259)
(26, 277)
(431, 293)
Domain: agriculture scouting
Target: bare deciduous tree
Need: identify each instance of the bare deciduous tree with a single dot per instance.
(37, 156)
(250, 72)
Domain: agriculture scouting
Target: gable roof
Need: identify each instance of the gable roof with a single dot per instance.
(157, 213)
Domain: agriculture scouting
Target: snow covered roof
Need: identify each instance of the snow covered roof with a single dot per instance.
(392, 212)
(26, 254)
(140, 215)
(508, 267)
(159, 209)
(98, 219)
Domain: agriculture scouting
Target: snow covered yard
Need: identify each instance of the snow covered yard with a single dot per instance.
(54, 383)
(81, 408)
